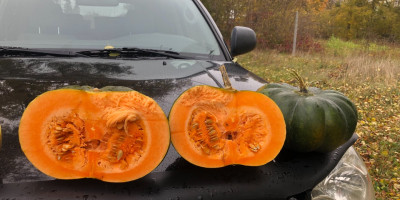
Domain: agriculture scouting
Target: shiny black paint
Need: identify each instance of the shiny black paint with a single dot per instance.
(23, 79)
(276, 180)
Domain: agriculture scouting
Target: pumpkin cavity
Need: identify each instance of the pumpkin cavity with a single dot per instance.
(209, 130)
(112, 136)
(65, 136)
(68, 139)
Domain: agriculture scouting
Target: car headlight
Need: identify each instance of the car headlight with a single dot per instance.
(348, 180)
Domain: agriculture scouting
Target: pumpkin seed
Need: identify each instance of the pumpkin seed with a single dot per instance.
(120, 126)
(119, 155)
(59, 157)
(59, 135)
(211, 132)
(121, 138)
(258, 146)
(133, 119)
(213, 136)
(254, 150)
(195, 125)
(252, 146)
(67, 146)
(216, 146)
(58, 128)
(206, 150)
(214, 139)
(55, 132)
(198, 133)
(60, 138)
(209, 121)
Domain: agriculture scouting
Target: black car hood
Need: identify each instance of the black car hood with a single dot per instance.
(82, 69)
(23, 79)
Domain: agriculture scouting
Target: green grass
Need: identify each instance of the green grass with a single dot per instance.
(369, 78)
(341, 48)
(336, 44)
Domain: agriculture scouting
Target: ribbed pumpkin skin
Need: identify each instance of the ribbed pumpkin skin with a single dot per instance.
(320, 120)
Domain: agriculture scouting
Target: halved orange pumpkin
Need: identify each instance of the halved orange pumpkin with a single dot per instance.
(111, 134)
(213, 127)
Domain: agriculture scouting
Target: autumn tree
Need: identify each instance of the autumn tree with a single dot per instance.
(366, 19)
(273, 20)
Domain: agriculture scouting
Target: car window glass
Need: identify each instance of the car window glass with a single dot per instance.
(175, 25)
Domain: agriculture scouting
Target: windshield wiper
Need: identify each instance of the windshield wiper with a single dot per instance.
(19, 51)
(133, 52)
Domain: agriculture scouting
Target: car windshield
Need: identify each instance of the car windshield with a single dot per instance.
(174, 25)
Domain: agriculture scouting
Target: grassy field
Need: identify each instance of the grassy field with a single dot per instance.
(367, 73)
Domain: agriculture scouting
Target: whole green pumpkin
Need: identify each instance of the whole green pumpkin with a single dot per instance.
(316, 120)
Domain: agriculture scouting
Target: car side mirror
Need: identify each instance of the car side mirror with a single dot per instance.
(243, 40)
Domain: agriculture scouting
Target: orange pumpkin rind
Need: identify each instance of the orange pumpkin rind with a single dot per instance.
(213, 127)
(114, 136)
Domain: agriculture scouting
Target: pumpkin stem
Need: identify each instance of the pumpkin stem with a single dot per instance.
(225, 78)
(303, 87)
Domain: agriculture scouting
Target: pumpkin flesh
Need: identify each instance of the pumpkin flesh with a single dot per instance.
(213, 127)
(111, 136)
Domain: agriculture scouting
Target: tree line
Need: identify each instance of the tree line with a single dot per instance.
(273, 20)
